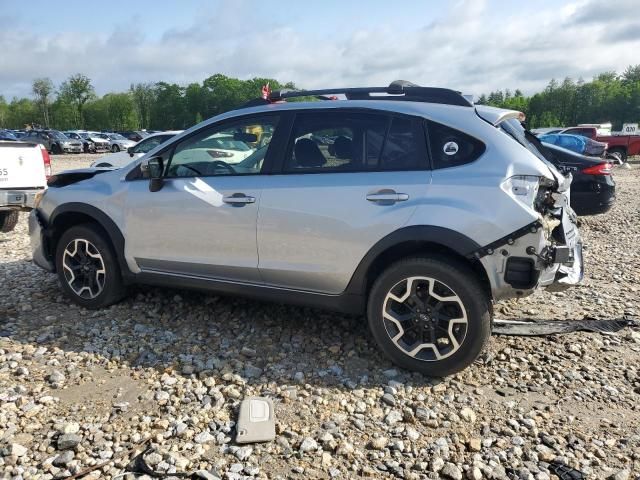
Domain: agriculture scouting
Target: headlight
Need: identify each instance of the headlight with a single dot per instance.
(523, 188)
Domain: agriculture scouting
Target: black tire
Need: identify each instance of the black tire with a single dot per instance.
(450, 274)
(9, 220)
(55, 149)
(112, 286)
(115, 149)
(620, 152)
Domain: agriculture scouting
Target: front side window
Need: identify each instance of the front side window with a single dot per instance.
(234, 149)
(348, 142)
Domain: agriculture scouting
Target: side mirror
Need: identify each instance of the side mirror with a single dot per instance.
(154, 169)
(130, 151)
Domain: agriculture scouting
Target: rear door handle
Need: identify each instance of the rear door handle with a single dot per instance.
(238, 199)
(387, 197)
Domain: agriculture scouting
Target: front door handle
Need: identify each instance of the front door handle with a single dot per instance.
(238, 199)
(387, 197)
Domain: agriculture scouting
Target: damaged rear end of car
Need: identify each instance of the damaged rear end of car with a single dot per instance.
(547, 251)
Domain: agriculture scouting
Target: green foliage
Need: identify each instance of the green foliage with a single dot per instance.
(43, 90)
(162, 105)
(78, 91)
(608, 98)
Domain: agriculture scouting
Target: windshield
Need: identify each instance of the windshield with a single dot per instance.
(116, 136)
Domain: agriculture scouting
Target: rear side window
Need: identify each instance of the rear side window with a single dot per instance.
(349, 142)
(451, 147)
(405, 147)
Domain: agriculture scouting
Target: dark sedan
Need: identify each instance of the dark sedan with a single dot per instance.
(593, 190)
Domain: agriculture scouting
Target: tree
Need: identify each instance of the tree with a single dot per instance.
(168, 110)
(43, 89)
(4, 113)
(78, 90)
(143, 98)
(120, 110)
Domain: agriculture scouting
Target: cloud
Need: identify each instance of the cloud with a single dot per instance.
(472, 47)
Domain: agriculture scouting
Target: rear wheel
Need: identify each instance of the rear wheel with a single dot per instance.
(87, 267)
(8, 220)
(429, 315)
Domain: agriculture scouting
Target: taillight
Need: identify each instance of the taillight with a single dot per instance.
(600, 169)
(47, 161)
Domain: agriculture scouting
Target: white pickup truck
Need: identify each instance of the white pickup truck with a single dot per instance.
(24, 169)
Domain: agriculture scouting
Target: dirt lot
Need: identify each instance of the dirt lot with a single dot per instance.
(78, 388)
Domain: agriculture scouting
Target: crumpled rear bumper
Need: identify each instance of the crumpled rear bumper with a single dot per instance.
(545, 254)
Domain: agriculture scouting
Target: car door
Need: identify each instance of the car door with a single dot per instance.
(347, 180)
(202, 222)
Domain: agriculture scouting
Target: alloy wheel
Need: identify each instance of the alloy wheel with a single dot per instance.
(84, 268)
(425, 318)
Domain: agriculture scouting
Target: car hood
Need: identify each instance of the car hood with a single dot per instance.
(69, 177)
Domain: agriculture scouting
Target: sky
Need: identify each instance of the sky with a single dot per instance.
(474, 46)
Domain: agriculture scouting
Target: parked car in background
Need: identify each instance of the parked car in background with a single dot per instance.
(100, 145)
(546, 130)
(89, 144)
(593, 190)
(145, 145)
(575, 143)
(7, 135)
(134, 135)
(620, 144)
(116, 141)
(54, 141)
(449, 210)
(24, 169)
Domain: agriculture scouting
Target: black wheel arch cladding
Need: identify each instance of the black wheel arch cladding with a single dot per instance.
(57, 225)
(448, 239)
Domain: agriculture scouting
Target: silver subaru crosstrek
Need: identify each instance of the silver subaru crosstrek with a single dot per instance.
(408, 204)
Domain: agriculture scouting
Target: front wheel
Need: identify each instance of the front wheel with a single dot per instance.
(115, 149)
(87, 267)
(430, 315)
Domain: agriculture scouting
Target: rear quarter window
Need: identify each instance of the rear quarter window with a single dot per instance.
(450, 147)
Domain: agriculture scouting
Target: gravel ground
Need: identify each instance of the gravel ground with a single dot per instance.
(78, 388)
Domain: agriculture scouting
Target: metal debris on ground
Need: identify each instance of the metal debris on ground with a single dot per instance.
(138, 465)
(534, 328)
(565, 472)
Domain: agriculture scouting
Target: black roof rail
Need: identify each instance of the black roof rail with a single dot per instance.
(397, 90)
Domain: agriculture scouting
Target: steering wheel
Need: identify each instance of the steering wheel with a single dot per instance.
(226, 166)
